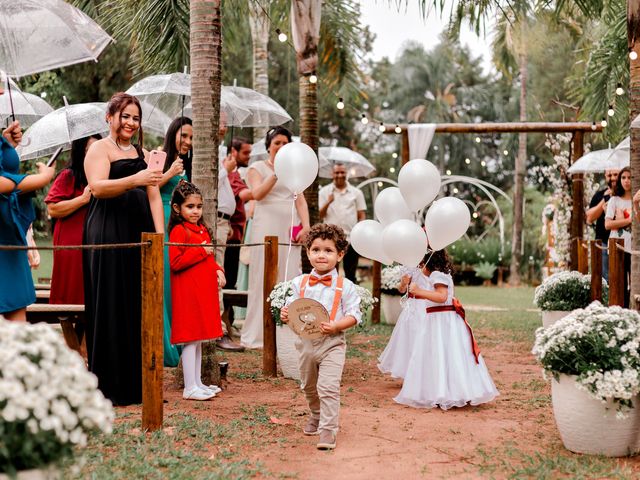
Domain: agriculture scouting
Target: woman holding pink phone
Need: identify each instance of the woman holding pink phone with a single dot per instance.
(126, 202)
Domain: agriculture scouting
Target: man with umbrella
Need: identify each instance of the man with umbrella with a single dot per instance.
(343, 204)
(596, 212)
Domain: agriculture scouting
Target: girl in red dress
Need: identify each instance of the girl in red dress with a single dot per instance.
(195, 279)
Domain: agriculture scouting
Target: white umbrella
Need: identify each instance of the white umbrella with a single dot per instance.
(60, 127)
(265, 111)
(621, 155)
(40, 35)
(595, 161)
(355, 163)
(26, 107)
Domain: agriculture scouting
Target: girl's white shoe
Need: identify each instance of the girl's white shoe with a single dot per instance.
(211, 388)
(197, 393)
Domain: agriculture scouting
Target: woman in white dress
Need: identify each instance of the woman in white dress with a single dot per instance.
(446, 369)
(272, 216)
(396, 355)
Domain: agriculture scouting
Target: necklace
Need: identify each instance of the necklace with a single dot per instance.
(124, 149)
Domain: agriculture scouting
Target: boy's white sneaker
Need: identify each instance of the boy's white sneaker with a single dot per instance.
(196, 393)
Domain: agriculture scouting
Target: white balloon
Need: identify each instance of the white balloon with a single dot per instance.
(446, 221)
(405, 242)
(419, 182)
(366, 239)
(390, 206)
(296, 165)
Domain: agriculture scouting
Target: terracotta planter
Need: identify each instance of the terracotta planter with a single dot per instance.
(549, 317)
(391, 307)
(589, 426)
(287, 353)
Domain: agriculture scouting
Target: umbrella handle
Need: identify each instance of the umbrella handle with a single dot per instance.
(13, 113)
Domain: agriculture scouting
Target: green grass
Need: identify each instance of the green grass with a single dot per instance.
(46, 260)
(513, 298)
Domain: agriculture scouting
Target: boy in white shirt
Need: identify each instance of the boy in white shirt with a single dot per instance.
(322, 360)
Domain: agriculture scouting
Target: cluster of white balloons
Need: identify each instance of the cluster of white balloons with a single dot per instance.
(396, 237)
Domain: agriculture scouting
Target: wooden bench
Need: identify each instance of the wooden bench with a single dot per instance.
(70, 318)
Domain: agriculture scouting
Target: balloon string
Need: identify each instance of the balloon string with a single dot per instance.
(293, 205)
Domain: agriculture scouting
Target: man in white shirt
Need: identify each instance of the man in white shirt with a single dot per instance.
(343, 205)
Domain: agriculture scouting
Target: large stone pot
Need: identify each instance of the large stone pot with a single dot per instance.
(549, 317)
(391, 307)
(589, 426)
(287, 352)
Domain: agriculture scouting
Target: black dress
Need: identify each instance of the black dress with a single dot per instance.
(112, 287)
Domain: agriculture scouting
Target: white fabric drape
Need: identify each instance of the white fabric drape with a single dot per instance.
(420, 136)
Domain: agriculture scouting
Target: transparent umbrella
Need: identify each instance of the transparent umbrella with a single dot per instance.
(26, 107)
(355, 163)
(621, 155)
(259, 152)
(40, 35)
(596, 161)
(265, 112)
(62, 126)
(171, 94)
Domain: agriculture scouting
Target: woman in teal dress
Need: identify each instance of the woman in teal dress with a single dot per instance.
(177, 144)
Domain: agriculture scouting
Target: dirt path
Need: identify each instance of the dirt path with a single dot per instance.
(379, 438)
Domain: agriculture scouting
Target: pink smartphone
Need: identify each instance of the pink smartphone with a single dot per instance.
(156, 160)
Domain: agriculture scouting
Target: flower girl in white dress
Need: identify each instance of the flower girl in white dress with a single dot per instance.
(445, 369)
(395, 357)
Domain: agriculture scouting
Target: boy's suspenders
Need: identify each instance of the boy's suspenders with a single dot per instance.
(336, 297)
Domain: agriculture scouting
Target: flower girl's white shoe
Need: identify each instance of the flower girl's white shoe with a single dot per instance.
(196, 393)
(212, 388)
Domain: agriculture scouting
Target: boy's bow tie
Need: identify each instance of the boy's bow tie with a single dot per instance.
(326, 280)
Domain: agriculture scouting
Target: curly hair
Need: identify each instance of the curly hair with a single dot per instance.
(180, 194)
(438, 261)
(327, 231)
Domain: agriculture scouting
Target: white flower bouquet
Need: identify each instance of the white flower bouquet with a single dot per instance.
(49, 402)
(390, 279)
(278, 297)
(566, 291)
(600, 346)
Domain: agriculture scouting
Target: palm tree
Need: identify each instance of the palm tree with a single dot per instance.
(260, 26)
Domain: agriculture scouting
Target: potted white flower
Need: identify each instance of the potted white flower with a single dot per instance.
(49, 402)
(389, 294)
(285, 338)
(592, 355)
(563, 292)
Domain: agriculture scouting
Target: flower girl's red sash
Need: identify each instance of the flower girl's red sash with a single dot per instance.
(459, 309)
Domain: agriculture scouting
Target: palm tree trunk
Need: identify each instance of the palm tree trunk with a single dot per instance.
(633, 34)
(519, 174)
(260, 24)
(309, 133)
(206, 78)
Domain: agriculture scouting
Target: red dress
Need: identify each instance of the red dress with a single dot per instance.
(194, 287)
(67, 286)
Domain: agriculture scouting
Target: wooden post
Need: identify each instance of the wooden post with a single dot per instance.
(404, 152)
(269, 365)
(152, 330)
(596, 270)
(377, 274)
(577, 192)
(616, 272)
(583, 257)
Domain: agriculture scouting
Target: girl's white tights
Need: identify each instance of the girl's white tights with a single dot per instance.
(192, 365)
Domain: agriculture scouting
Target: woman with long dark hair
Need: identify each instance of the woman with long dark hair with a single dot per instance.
(177, 145)
(67, 202)
(125, 203)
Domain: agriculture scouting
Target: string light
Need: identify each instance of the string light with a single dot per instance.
(313, 78)
(611, 112)
(448, 172)
(475, 215)
(483, 163)
(281, 35)
(340, 104)
(505, 152)
(455, 190)
(467, 161)
(603, 123)
(381, 127)
(398, 129)
(43, 95)
(478, 140)
(593, 126)
(394, 155)
(392, 170)
(619, 89)
(632, 54)
(364, 119)
(380, 184)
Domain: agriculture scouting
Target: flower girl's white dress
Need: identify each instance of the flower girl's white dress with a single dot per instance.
(395, 357)
(443, 370)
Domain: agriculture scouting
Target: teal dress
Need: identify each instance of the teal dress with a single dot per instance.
(171, 352)
(16, 214)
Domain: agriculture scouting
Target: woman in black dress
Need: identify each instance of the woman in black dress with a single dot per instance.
(126, 202)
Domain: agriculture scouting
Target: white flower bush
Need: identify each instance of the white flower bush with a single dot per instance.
(566, 291)
(49, 402)
(278, 297)
(390, 279)
(600, 346)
